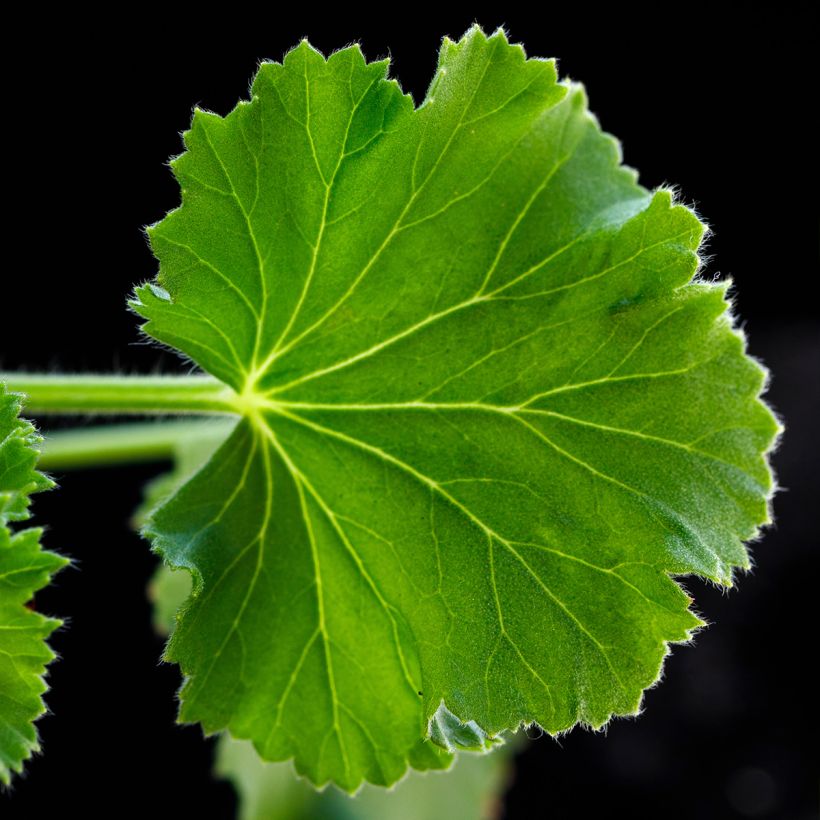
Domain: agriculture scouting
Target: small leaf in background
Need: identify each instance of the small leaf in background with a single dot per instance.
(470, 790)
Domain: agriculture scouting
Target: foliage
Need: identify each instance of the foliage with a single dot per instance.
(24, 569)
(486, 413)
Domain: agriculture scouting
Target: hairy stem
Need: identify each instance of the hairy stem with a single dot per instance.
(154, 395)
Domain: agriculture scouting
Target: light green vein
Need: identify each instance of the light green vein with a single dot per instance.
(262, 368)
(467, 303)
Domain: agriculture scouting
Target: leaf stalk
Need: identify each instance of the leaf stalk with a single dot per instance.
(61, 394)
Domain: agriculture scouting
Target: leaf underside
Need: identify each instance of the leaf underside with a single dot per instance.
(490, 410)
(24, 569)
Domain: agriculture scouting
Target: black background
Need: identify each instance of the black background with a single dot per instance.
(93, 109)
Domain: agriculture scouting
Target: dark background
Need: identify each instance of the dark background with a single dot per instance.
(93, 109)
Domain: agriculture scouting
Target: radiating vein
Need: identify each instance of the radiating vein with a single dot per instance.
(260, 263)
(328, 184)
(320, 593)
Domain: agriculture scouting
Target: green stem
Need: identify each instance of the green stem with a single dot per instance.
(154, 395)
(125, 443)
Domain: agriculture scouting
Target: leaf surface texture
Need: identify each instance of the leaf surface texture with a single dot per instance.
(487, 410)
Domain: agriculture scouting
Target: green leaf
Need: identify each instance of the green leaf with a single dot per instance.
(488, 410)
(24, 569)
(469, 790)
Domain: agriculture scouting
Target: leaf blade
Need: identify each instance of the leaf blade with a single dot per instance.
(489, 410)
